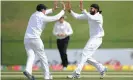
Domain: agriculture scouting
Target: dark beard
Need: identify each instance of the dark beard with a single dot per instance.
(92, 12)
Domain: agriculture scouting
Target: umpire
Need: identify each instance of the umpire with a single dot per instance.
(62, 30)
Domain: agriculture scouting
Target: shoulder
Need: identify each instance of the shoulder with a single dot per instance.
(57, 22)
(99, 16)
(66, 22)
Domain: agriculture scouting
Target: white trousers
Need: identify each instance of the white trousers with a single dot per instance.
(35, 47)
(91, 46)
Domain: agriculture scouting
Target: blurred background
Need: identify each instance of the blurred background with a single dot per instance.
(117, 42)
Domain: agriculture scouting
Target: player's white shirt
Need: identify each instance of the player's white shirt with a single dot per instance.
(60, 28)
(38, 21)
(95, 22)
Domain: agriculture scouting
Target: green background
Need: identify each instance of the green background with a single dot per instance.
(118, 26)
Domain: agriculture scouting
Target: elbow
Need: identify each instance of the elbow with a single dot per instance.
(71, 33)
(54, 33)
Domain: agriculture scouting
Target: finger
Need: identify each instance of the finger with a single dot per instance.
(63, 4)
(69, 4)
(81, 3)
(56, 4)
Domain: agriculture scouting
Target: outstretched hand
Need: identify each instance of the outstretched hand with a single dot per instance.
(55, 5)
(81, 5)
(63, 5)
(69, 7)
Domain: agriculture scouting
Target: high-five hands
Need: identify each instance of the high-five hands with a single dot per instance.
(56, 5)
(67, 6)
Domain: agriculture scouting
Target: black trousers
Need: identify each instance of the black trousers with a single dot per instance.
(62, 47)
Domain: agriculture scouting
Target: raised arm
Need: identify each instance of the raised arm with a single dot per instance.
(78, 16)
(49, 11)
(53, 18)
(56, 17)
(92, 17)
(75, 15)
(97, 18)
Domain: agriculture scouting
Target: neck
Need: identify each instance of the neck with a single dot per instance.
(61, 21)
(43, 12)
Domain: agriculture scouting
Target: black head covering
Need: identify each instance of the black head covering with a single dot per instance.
(40, 7)
(96, 6)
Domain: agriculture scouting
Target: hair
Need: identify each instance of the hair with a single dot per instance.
(100, 12)
(62, 17)
(40, 7)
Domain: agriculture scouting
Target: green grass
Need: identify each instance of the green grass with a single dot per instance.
(62, 75)
(117, 22)
(118, 27)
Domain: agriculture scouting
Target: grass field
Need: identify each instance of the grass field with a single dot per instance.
(118, 26)
(61, 75)
(117, 23)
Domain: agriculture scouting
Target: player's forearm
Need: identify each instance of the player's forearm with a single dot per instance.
(49, 11)
(91, 17)
(75, 15)
(79, 16)
(54, 18)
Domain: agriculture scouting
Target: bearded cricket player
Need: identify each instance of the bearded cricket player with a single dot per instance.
(95, 23)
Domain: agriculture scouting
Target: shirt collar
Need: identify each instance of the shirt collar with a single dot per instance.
(61, 23)
(39, 12)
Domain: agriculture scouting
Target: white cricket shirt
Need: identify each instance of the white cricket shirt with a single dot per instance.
(95, 22)
(60, 28)
(38, 21)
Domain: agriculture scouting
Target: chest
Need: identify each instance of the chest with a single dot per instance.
(61, 26)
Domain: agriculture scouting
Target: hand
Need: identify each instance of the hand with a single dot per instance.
(61, 35)
(55, 5)
(69, 7)
(81, 5)
(63, 5)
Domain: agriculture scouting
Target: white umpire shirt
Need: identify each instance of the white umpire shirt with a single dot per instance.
(95, 22)
(38, 21)
(60, 28)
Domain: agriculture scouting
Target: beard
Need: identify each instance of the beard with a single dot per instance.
(92, 12)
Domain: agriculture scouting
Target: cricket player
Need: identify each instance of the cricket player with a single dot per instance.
(32, 41)
(95, 21)
(62, 30)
